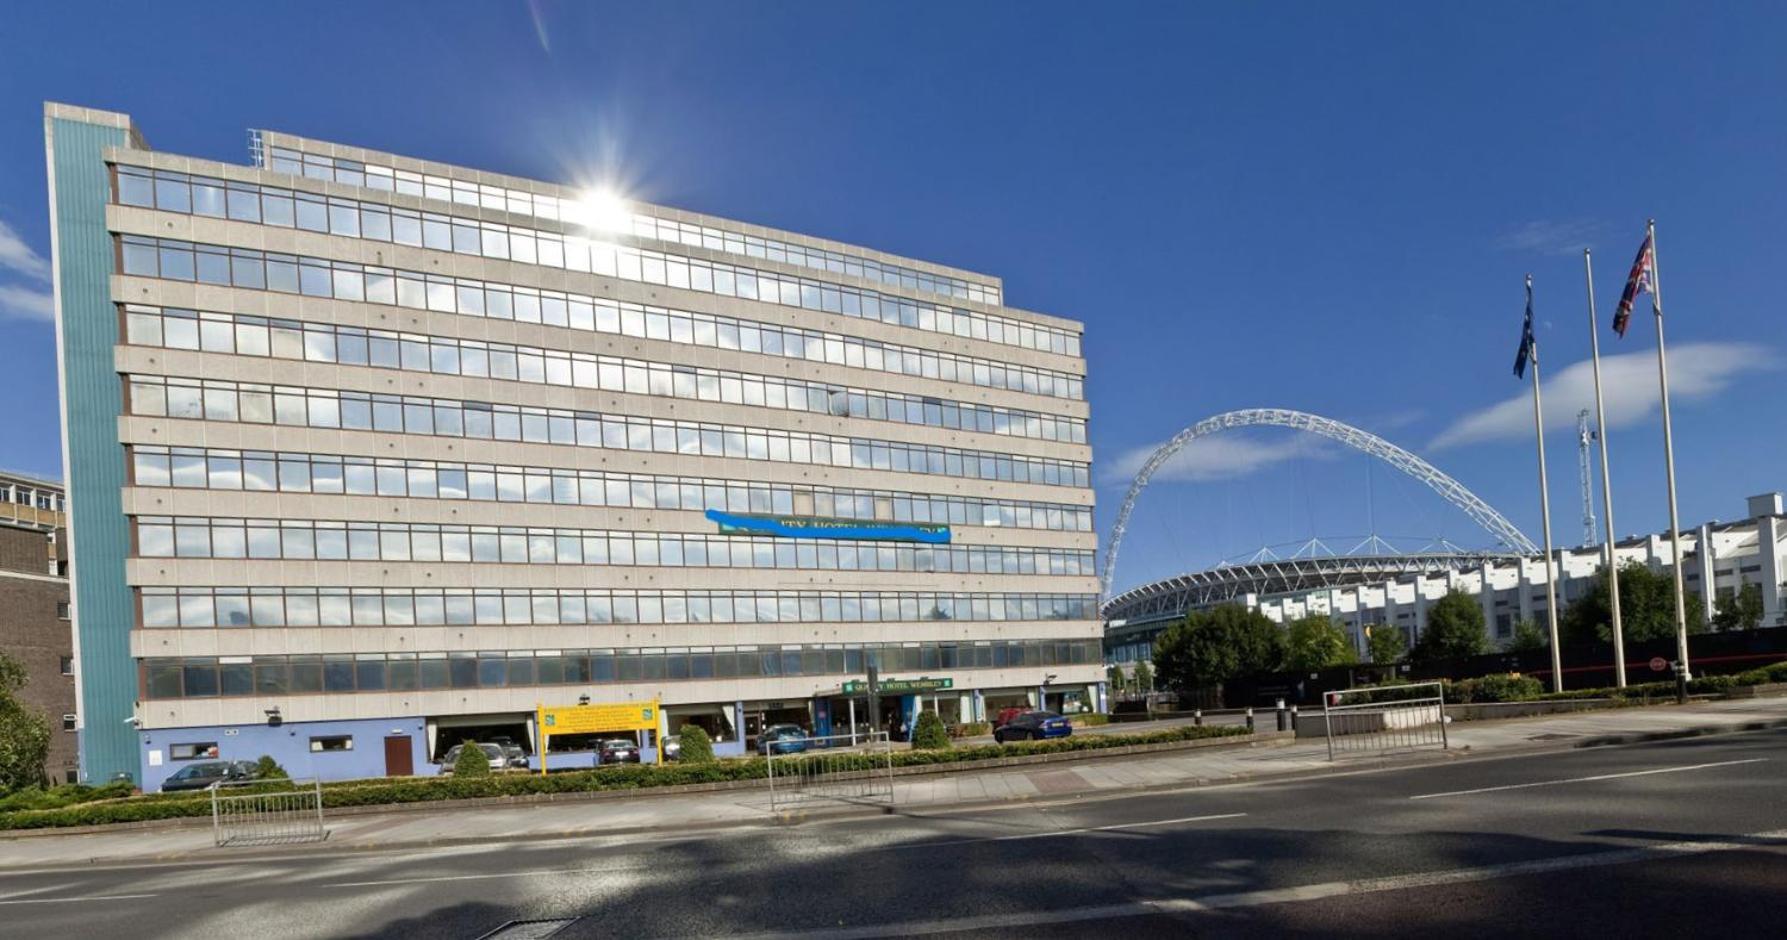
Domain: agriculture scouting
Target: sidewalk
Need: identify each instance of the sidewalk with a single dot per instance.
(1091, 777)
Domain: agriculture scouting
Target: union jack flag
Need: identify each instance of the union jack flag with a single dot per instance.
(1637, 283)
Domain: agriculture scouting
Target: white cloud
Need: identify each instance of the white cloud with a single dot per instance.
(1222, 456)
(1551, 236)
(1629, 388)
(18, 256)
(26, 303)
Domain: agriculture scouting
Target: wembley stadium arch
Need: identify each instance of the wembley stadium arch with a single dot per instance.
(1275, 576)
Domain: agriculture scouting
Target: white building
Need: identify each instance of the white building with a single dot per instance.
(1726, 556)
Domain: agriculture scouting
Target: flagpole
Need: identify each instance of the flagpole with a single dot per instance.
(1675, 529)
(1594, 345)
(1557, 666)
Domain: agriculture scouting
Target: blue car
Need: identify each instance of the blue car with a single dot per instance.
(1033, 726)
(782, 739)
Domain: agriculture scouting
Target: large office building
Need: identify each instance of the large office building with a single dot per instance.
(34, 611)
(369, 455)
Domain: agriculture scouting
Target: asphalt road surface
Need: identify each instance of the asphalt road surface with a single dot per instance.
(1665, 840)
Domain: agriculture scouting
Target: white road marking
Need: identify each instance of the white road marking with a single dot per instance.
(486, 876)
(1553, 783)
(1243, 899)
(1068, 832)
(102, 897)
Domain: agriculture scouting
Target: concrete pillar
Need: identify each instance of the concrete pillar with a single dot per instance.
(1768, 545)
(1703, 548)
(1486, 599)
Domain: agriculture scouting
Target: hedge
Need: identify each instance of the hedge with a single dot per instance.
(390, 792)
(1507, 687)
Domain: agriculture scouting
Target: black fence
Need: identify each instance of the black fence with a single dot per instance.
(1586, 666)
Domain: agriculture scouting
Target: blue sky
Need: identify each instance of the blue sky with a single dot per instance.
(1316, 206)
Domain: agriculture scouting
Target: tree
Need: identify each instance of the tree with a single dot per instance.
(24, 734)
(697, 747)
(268, 769)
(1739, 611)
(1212, 646)
(1142, 678)
(1646, 608)
(1454, 629)
(1527, 638)
(1385, 643)
(1113, 674)
(1314, 642)
(472, 761)
(928, 734)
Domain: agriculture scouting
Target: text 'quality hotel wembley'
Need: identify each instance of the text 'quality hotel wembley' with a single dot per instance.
(370, 455)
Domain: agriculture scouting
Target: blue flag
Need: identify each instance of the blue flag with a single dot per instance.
(1527, 350)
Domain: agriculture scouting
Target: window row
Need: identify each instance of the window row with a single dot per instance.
(326, 342)
(374, 222)
(403, 607)
(251, 403)
(633, 221)
(405, 672)
(207, 537)
(263, 471)
(594, 314)
(22, 495)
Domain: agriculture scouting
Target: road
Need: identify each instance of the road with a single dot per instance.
(1650, 840)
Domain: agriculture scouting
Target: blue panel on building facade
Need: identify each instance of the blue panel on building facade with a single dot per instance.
(92, 399)
(164, 751)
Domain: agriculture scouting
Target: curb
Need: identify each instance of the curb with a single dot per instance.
(1258, 738)
(1673, 734)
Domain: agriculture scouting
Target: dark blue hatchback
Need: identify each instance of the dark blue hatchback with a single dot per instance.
(1032, 726)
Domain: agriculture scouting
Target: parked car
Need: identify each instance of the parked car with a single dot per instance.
(618, 751)
(517, 757)
(211, 773)
(499, 758)
(1006, 715)
(671, 748)
(783, 739)
(1033, 726)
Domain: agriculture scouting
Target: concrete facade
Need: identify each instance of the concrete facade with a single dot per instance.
(412, 441)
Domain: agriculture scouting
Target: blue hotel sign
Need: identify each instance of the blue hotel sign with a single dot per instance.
(812, 527)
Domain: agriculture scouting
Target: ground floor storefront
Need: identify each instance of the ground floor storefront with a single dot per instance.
(418, 745)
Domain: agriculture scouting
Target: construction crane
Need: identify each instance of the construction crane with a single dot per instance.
(1585, 436)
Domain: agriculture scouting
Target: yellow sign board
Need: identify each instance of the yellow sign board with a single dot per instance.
(589, 719)
(594, 719)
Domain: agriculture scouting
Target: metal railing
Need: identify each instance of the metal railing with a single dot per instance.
(262, 818)
(1401, 717)
(832, 769)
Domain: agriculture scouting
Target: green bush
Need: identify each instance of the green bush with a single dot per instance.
(971, 729)
(268, 769)
(929, 734)
(697, 747)
(472, 762)
(68, 794)
(1500, 687)
(1090, 719)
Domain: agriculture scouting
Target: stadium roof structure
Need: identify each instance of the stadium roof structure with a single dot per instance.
(1171, 598)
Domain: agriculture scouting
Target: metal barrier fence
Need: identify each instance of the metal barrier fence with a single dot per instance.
(1414, 716)
(294, 815)
(831, 769)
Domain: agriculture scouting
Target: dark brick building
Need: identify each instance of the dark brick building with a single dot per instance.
(34, 612)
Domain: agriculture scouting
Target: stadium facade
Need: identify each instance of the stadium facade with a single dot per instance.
(1360, 591)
